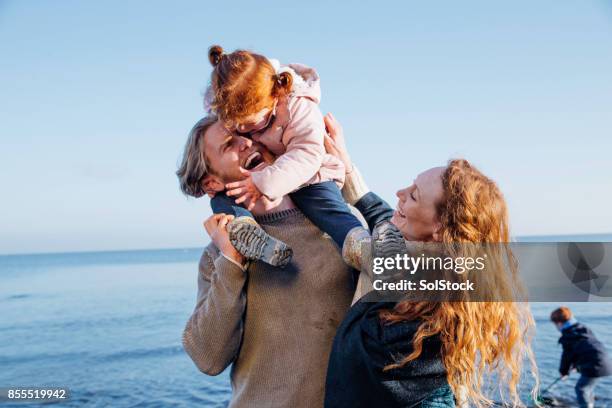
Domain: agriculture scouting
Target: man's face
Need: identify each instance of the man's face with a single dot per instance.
(226, 152)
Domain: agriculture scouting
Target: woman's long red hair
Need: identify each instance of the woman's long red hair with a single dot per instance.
(478, 338)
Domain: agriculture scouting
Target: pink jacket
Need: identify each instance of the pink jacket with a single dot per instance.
(296, 137)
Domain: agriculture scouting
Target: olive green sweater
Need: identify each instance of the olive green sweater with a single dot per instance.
(275, 325)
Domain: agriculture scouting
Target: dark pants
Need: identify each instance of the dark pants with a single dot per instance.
(585, 387)
(324, 206)
(221, 203)
(321, 203)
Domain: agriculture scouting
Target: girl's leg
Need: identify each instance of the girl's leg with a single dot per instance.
(248, 237)
(221, 203)
(323, 204)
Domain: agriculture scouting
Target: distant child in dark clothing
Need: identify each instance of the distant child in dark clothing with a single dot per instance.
(582, 351)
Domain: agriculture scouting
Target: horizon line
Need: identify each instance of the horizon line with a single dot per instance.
(96, 251)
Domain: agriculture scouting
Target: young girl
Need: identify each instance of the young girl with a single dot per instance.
(278, 107)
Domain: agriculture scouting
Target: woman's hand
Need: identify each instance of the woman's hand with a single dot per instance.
(215, 226)
(334, 141)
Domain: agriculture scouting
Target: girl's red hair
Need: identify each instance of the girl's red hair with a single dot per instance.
(243, 83)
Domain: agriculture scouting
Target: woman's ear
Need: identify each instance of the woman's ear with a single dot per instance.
(437, 234)
(212, 184)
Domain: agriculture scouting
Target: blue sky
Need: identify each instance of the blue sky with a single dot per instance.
(97, 99)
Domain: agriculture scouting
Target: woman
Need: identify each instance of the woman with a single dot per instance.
(426, 353)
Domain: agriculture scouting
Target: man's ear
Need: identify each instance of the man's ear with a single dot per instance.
(212, 184)
(437, 234)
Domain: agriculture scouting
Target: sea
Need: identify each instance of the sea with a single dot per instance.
(108, 326)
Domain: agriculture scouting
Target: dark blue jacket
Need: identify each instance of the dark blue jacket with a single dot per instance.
(582, 350)
(374, 209)
(363, 347)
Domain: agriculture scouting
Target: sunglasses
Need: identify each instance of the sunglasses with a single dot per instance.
(263, 120)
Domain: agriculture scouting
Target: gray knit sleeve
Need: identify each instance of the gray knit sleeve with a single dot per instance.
(213, 333)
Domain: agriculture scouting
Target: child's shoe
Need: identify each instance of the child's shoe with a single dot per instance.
(360, 248)
(387, 241)
(357, 249)
(255, 244)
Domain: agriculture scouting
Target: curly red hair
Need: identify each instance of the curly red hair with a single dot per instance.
(243, 83)
(477, 337)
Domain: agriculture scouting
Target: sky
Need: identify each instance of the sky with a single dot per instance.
(97, 98)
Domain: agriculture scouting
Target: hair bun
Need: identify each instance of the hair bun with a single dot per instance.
(215, 53)
(284, 81)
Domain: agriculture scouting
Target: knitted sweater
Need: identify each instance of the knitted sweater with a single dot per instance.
(275, 325)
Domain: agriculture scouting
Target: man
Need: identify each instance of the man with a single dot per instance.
(581, 350)
(279, 344)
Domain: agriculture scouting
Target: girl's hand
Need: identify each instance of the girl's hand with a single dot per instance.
(334, 141)
(215, 226)
(245, 190)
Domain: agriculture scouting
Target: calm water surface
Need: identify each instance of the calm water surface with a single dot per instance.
(108, 326)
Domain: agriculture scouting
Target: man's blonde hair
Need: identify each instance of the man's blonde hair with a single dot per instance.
(194, 164)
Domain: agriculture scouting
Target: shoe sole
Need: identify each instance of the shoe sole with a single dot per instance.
(255, 244)
(387, 241)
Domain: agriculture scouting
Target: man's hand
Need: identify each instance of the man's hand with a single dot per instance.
(334, 141)
(215, 226)
(245, 190)
(564, 377)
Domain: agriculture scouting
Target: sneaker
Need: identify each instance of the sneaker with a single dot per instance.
(356, 250)
(256, 244)
(387, 241)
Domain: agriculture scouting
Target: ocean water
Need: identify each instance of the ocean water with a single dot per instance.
(108, 326)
